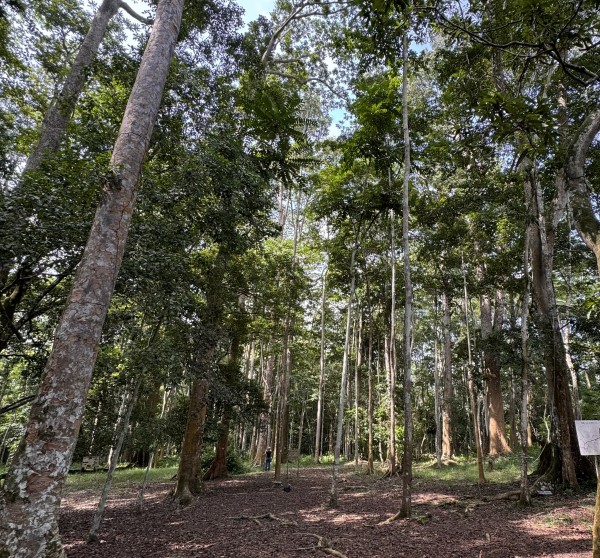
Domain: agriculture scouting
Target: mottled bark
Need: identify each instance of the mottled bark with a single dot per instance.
(218, 468)
(490, 329)
(61, 109)
(33, 487)
(557, 373)
(584, 216)
(407, 458)
(524, 498)
(189, 480)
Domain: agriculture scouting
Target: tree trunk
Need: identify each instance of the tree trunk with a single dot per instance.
(471, 385)
(557, 373)
(357, 368)
(189, 481)
(333, 500)
(319, 428)
(407, 458)
(584, 214)
(524, 499)
(218, 468)
(61, 108)
(265, 418)
(490, 329)
(392, 346)
(30, 500)
(131, 398)
(448, 389)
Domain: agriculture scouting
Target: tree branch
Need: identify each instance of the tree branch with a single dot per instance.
(304, 81)
(126, 7)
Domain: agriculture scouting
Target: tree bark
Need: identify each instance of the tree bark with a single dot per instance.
(319, 428)
(333, 500)
(557, 373)
(524, 498)
(407, 458)
(61, 108)
(33, 487)
(584, 216)
(448, 389)
(498, 444)
(189, 481)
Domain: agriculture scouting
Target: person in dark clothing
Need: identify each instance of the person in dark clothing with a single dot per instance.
(268, 459)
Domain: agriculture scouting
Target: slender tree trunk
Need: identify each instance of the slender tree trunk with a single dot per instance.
(131, 399)
(392, 346)
(357, 390)
(30, 500)
(333, 500)
(471, 385)
(407, 459)
(370, 467)
(265, 418)
(319, 428)
(61, 108)
(438, 406)
(524, 498)
(448, 393)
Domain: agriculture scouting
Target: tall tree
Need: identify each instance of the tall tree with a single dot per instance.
(32, 490)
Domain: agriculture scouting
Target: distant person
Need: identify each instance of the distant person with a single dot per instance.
(268, 459)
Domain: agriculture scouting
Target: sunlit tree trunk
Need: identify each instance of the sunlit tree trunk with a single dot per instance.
(318, 442)
(33, 487)
(407, 459)
(448, 388)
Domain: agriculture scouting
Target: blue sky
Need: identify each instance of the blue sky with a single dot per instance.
(254, 8)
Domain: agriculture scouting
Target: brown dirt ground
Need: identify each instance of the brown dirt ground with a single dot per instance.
(445, 523)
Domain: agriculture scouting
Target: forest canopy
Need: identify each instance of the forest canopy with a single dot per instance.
(195, 268)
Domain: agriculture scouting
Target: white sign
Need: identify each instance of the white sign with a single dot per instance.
(588, 436)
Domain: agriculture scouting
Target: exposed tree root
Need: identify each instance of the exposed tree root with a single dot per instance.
(324, 545)
(256, 519)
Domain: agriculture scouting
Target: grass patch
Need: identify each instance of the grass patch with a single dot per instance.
(123, 478)
(464, 470)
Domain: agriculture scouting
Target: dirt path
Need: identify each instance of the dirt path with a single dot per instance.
(214, 525)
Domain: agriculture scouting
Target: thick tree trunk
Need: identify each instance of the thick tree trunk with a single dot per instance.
(584, 215)
(557, 372)
(189, 481)
(33, 487)
(448, 389)
(498, 444)
(218, 468)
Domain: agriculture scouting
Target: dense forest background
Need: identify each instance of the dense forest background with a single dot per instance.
(421, 284)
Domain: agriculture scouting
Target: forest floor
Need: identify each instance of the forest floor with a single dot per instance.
(250, 516)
